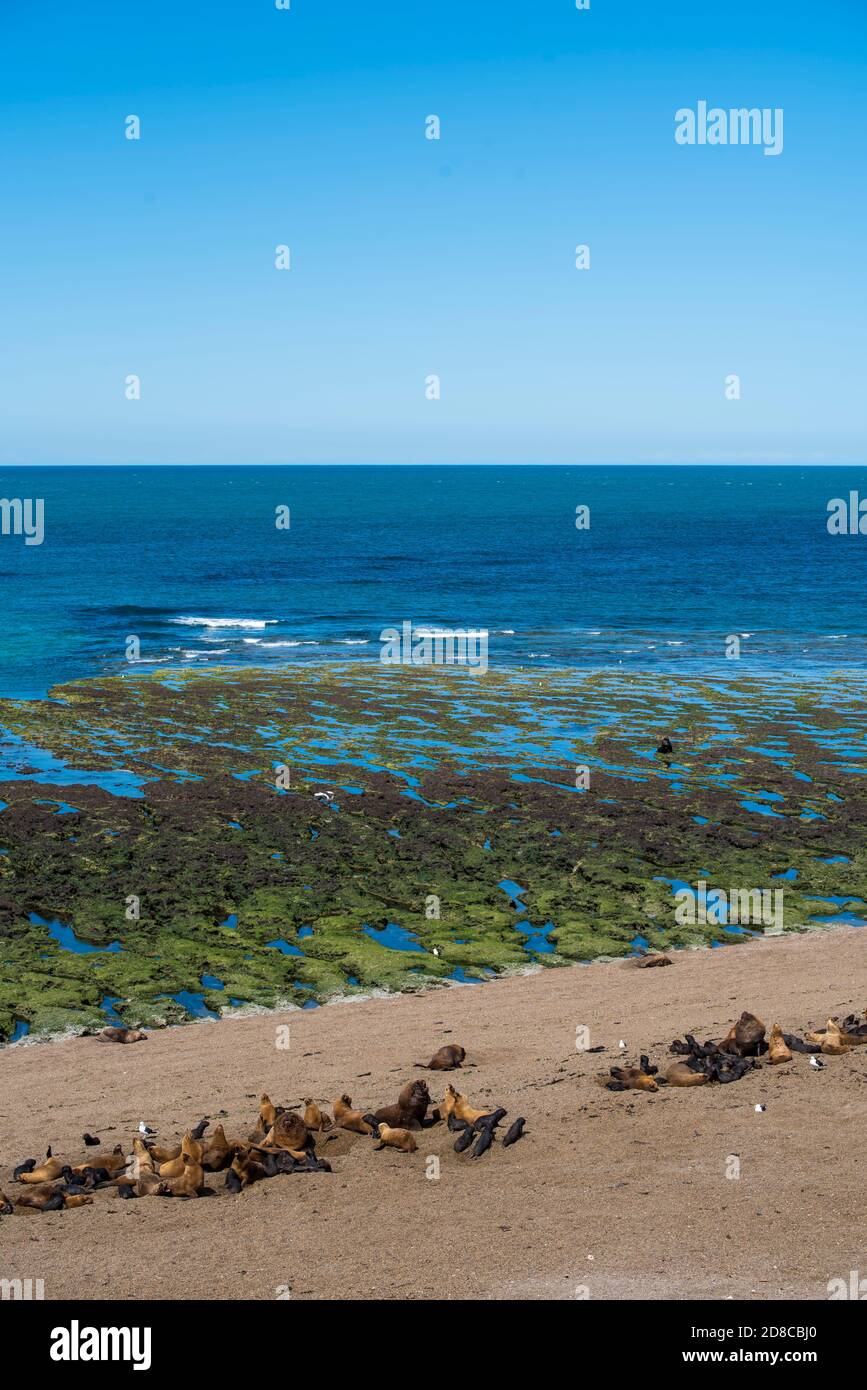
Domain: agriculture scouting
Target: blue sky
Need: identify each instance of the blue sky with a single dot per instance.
(411, 256)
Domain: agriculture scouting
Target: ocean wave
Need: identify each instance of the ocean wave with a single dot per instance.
(252, 623)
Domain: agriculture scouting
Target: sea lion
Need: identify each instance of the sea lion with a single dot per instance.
(314, 1117)
(112, 1163)
(484, 1141)
(491, 1120)
(191, 1180)
(314, 1165)
(464, 1140)
(777, 1050)
(122, 1035)
(90, 1142)
(649, 962)
(681, 1074)
(347, 1118)
(627, 1079)
(462, 1108)
(798, 1045)
(245, 1170)
(746, 1037)
(218, 1152)
(45, 1198)
(76, 1199)
(267, 1112)
(26, 1167)
(374, 1124)
(456, 1125)
(5, 1205)
(830, 1039)
(46, 1172)
(514, 1132)
(163, 1153)
(288, 1132)
(396, 1138)
(446, 1059)
(410, 1109)
(200, 1128)
(192, 1149)
(665, 746)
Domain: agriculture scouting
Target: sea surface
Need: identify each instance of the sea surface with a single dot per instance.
(192, 563)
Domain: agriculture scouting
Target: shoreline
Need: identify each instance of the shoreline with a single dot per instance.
(627, 1189)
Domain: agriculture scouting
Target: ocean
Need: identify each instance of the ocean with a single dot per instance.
(192, 563)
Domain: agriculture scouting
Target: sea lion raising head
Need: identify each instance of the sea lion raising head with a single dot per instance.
(411, 1108)
(461, 1107)
(446, 1059)
(746, 1038)
(314, 1118)
(191, 1180)
(777, 1049)
(347, 1118)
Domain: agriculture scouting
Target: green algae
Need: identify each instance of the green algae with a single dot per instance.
(448, 761)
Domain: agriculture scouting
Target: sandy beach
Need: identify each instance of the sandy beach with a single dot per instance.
(611, 1196)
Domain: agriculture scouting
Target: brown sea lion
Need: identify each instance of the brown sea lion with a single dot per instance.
(48, 1197)
(122, 1035)
(288, 1132)
(396, 1138)
(267, 1112)
(679, 1074)
(5, 1204)
(112, 1163)
(777, 1050)
(191, 1181)
(410, 1109)
(76, 1199)
(192, 1149)
(831, 1039)
(745, 1038)
(648, 962)
(46, 1172)
(314, 1118)
(244, 1170)
(446, 1059)
(163, 1153)
(462, 1108)
(627, 1079)
(347, 1118)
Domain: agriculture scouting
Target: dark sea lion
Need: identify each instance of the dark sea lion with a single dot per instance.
(798, 1045)
(446, 1059)
(777, 1049)
(484, 1141)
(233, 1181)
(200, 1128)
(666, 746)
(456, 1125)
(112, 1162)
(491, 1120)
(374, 1124)
(514, 1132)
(90, 1142)
(681, 1074)
(396, 1138)
(644, 1064)
(410, 1109)
(127, 1190)
(314, 1165)
(122, 1035)
(347, 1118)
(464, 1140)
(26, 1167)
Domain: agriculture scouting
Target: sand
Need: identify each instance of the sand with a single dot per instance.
(615, 1196)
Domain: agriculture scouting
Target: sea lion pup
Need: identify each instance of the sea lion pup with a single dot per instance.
(122, 1035)
(464, 1140)
(746, 1037)
(456, 1125)
(191, 1148)
(462, 1108)
(682, 1074)
(484, 1141)
(777, 1050)
(798, 1045)
(374, 1124)
(627, 1079)
(410, 1109)
(199, 1131)
(245, 1170)
(347, 1118)
(26, 1167)
(446, 1059)
(314, 1118)
(191, 1180)
(90, 1142)
(395, 1138)
(514, 1132)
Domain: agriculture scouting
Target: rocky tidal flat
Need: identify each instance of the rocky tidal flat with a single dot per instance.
(529, 809)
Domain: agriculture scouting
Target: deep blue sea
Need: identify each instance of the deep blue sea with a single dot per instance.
(191, 562)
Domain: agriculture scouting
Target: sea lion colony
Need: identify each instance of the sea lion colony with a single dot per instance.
(283, 1141)
(743, 1049)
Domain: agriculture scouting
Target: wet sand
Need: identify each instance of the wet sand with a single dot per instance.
(620, 1195)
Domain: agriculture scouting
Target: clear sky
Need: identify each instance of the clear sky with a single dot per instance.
(410, 256)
